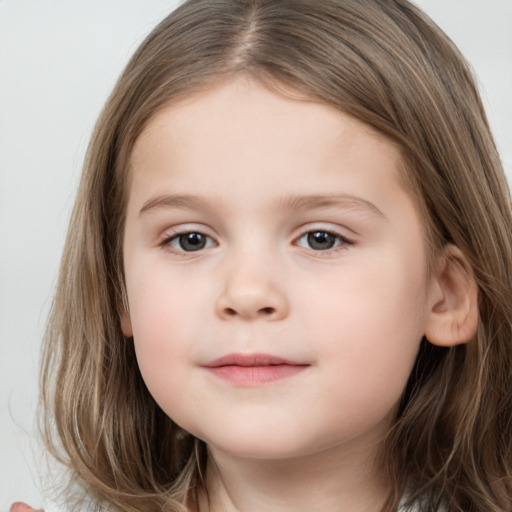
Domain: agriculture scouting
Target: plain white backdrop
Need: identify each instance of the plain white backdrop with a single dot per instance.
(58, 62)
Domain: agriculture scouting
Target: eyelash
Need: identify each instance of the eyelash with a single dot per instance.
(167, 243)
(341, 242)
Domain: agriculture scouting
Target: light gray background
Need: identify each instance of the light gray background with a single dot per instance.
(58, 61)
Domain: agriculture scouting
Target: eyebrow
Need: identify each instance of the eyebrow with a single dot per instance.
(184, 202)
(291, 203)
(312, 202)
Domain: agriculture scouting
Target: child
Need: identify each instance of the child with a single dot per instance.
(287, 280)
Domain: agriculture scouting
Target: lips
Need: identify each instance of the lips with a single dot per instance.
(247, 360)
(253, 369)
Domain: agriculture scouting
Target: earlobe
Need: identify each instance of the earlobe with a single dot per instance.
(453, 309)
(126, 324)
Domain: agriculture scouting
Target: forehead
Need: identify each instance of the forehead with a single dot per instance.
(247, 149)
(245, 119)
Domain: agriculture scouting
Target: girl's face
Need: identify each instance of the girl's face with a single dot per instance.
(276, 273)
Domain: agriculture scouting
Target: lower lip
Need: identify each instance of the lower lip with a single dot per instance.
(256, 375)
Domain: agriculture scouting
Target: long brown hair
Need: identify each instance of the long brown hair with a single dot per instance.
(387, 64)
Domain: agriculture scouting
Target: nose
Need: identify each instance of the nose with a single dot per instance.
(252, 290)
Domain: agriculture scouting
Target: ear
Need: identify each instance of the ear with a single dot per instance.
(126, 324)
(453, 308)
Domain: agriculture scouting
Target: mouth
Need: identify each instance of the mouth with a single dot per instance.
(253, 369)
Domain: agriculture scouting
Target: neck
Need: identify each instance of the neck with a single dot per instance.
(322, 481)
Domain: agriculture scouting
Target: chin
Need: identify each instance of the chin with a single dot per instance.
(264, 446)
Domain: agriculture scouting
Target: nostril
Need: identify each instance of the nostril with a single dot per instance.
(262, 311)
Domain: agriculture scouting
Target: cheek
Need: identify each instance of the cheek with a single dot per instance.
(163, 319)
(371, 320)
(162, 303)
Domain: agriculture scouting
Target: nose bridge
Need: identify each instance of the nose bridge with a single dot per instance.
(251, 285)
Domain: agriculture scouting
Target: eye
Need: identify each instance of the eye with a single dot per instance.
(190, 242)
(321, 240)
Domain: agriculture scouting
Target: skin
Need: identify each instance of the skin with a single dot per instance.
(247, 159)
(23, 507)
